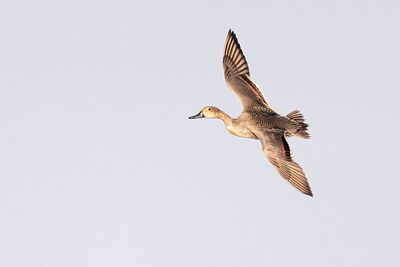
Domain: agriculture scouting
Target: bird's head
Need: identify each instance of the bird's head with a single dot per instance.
(207, 112)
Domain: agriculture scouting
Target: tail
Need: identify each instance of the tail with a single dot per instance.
(298, 117)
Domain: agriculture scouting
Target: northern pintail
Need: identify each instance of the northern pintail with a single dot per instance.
(258, 120)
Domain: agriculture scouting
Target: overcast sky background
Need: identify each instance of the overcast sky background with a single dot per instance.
(99, 165)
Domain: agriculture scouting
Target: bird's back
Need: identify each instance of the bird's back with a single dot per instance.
(271, 121)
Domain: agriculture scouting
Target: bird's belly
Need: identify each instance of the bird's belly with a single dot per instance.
(241, 132)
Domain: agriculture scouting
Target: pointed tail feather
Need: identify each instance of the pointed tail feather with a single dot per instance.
(298, 117)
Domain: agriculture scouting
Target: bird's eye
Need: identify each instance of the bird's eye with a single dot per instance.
(209, 109)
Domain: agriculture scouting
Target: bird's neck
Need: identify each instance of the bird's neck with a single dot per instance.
(225, 118)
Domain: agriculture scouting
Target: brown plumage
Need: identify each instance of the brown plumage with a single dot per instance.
(258, 120)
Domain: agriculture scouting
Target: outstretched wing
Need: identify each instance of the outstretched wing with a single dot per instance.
(277, 150)
(237, 74)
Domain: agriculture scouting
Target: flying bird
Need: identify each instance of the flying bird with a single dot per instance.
(258, 120)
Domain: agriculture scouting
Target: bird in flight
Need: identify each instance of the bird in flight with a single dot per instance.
(258, 120)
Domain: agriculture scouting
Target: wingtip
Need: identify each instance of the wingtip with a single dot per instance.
(231, 32)
(307, 191)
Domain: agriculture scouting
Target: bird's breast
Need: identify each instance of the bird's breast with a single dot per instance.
(241, 131)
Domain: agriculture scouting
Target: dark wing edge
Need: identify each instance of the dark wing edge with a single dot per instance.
(234, 57)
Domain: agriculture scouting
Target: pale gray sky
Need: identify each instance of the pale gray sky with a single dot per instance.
(99, 165)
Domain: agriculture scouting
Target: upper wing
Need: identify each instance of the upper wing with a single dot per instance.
(277, 151)
(237, 74)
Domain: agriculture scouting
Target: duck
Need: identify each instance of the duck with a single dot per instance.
(258, 120)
